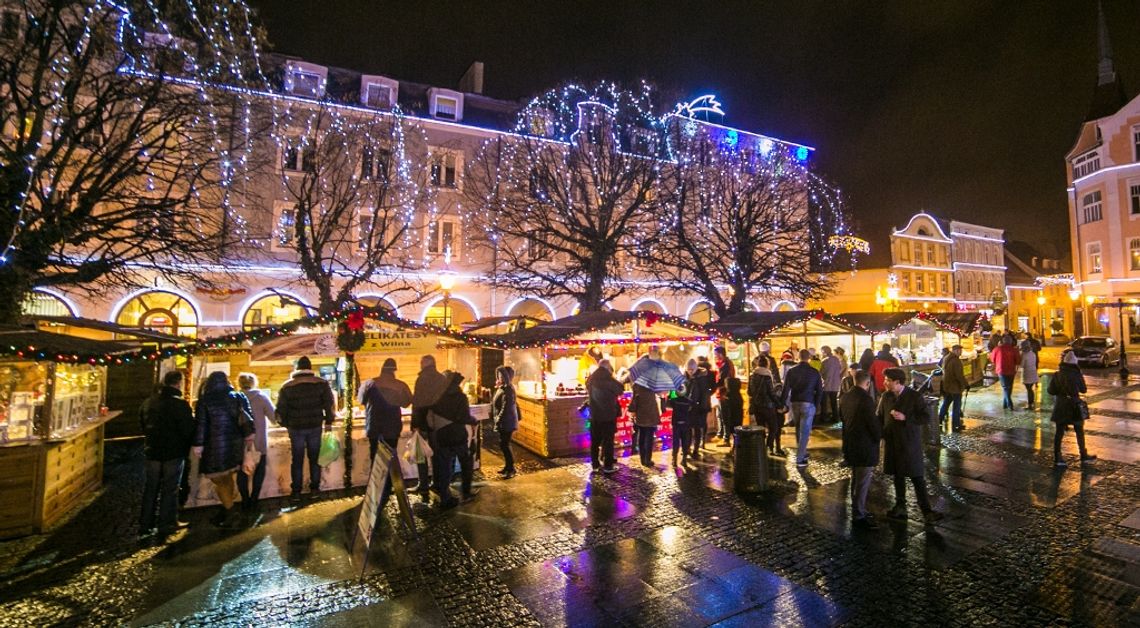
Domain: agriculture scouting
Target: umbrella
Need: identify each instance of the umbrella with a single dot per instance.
(656, 375)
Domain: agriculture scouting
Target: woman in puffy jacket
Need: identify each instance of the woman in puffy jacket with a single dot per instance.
(1067, 386)
(505, 413)
(225, 426)
(764, 404)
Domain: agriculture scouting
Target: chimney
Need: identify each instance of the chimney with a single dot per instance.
(472, 81)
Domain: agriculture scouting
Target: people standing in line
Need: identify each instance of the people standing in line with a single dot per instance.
(866, 360)
(764, 404)
(1005, 359)
(1029, 376)
(831, 370)
(384, 398)
(803, 392)
(263, 414)
(168, 427)
(903, 412)
(1067, 386)
(953, 385)
(768, 362)
(883, 360)
(604, 391)
(682, 406)
(505, 417)
(429, 387)
(732, 409)
(725, 370)
(224, 427)
(305, 403)
(862, 431)
(788, 359)
(646, 410)
(450, 416)
(703, 384)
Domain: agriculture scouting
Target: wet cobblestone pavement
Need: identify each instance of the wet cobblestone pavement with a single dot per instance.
(1021, 545)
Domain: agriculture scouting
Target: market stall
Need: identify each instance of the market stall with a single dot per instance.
(793, 329)
(52, 414)
(270, 354)
(552, 361)
(917, 339)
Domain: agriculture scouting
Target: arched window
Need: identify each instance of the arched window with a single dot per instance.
(532, 308)
(453, 312)
(40, 303)
(272, 309)
(373, 301)
(701, 312)
(160, 311)
(649, 305)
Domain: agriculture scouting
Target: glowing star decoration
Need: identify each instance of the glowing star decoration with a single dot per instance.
(851, 244)
(802, 153)
(705, 104)
(766, 147)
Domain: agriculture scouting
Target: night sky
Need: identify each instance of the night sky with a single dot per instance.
(962, 108)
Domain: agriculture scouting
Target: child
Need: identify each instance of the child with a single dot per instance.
(682, 429)
(732, 408)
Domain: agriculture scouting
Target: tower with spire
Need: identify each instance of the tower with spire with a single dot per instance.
(1109, 95)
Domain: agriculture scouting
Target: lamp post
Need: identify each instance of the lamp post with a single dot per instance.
(1074, 296)
(1041, 314)
(446, 283)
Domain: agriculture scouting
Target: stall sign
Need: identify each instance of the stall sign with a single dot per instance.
(400, 341)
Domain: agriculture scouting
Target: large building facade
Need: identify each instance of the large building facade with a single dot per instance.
(1103, 176)
(448, 279)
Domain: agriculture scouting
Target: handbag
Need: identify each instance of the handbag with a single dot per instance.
(250, 459)
(1082, 409)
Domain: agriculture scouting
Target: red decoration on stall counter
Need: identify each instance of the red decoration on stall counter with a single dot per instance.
(651, 318)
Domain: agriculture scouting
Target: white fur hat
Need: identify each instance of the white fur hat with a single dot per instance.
(765, 347)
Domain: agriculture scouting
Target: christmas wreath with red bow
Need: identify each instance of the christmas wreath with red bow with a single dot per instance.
(350, 332)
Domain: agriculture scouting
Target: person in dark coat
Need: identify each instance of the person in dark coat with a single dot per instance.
(304, 404)
(866, 360)
(703, 382)
(430, 384)
(862, 431)
(768, 362)
(732, 408)
(903, 413)
(884, 360)
(682, 407)
(765, 405)
(452, 415)
(168, 425)
(953, 385)
(1066, 387)
(603, 390)
(645, 406)
(224, 426)
(505, 416)
(725, 370)
(803, 393)
(383, 398)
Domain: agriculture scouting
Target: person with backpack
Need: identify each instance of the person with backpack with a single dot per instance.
(505, 416)
(430, 384)
(225, 425)
(682, 407)
(383, 398)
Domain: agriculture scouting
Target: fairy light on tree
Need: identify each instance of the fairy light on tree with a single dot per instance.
(118, 155)
(739, 214)
(556, 202)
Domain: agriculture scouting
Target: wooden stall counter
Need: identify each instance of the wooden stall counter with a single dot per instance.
(41, 481)
(552, 427)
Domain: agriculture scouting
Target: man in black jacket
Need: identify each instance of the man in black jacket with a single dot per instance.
(304, 404)
(450, 417)
(903, 412)
(861, 434)
(168, 424)
(803, 392)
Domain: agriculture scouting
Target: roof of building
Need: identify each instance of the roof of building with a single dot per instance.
(1109, 95)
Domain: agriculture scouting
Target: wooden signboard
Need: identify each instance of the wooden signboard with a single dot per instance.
(383, 466)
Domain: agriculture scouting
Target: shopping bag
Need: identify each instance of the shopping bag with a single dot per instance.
(250, 459)
(330, 450)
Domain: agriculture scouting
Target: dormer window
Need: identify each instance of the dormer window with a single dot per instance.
(305, 79)
(541, 123)
(378, 92)
(1086, 164)
(446, 104)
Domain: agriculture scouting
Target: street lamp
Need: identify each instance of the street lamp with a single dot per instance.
(1041, 314)
(446, 283)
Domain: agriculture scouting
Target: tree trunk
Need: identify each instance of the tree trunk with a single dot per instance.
(15, 286)
(349, 399)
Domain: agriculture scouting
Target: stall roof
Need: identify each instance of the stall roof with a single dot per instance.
(876, 323)
(42, 345)
(957, 322)
(487, 325)
(589, 322)
(135, 334)
(756, 325)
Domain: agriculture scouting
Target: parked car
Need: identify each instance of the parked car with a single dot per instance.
(1096, 350)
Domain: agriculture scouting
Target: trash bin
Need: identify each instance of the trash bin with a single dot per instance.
(932, 431)
(1044, 379)
(750, 464)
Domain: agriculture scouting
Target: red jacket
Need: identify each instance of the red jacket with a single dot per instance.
(1005, 359)
(878, 367)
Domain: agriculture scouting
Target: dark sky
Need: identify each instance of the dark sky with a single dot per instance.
(961, 107)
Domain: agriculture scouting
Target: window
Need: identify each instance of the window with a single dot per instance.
(1086, 164)
(374, 163)
(919, 285)
(306, 84)
(1091, 207)
(446, 107)
(541, 123)
(378, 95)
(906, 282)
(9, 25)
(538, 187)
(298, 155)
(1136, 142)
(1134, 252)
(930, 254)
(285, 226)
(443, 170)
(536, 246)
(642, 142)
(943, 284)
(1134, 193)
(1094, 257)
(442, 236)
(904, 251)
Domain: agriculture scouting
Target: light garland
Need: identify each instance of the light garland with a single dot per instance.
(851, 244)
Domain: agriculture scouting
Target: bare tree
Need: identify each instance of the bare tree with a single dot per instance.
(116, 154)
(739, 216)
(556, 202)
(354, 183)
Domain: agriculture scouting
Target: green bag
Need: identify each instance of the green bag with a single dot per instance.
(330, 450)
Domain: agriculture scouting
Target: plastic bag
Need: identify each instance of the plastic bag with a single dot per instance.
(250, 459)
(330, 450)
(419, 451)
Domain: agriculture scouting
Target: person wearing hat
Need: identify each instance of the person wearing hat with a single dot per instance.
(767, 361)
(304, 404)
(1066, 387)
(382, 397)
(604, 391)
